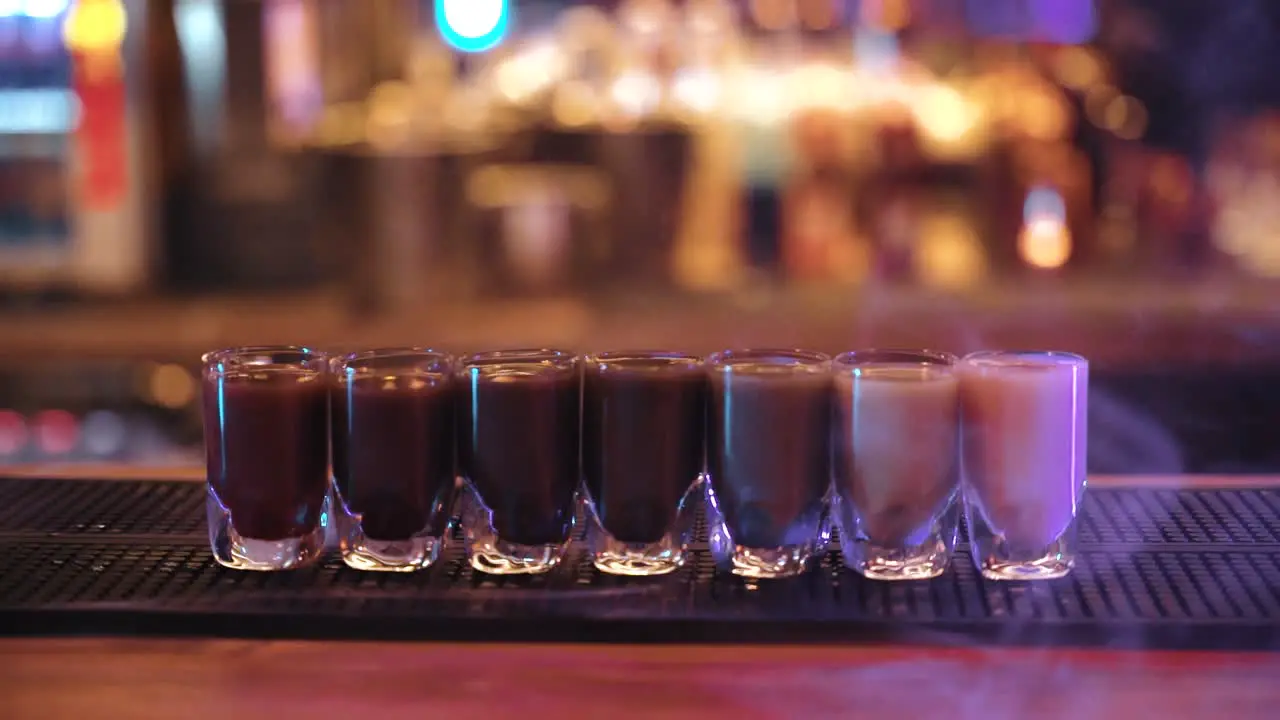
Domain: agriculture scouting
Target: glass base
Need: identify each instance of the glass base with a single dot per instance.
(361, 552)
(998, 559)
(612, 556)
(996, 563)
(924, 555)
(230, 549)
(408, 555)
(489, 553)
(615, 557)
(642, 561)
(918, 562)
(499, 557)
(767, 563)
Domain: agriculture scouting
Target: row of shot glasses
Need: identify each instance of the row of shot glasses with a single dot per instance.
(390, 446)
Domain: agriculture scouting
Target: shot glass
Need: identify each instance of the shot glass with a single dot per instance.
(266, 430)
(897, 462)
(393, 456)
(1023, 419)
(519, 446)
(768, 460)
(643, 449)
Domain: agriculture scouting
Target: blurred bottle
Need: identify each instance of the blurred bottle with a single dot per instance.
(243, 209)
(768, 156)
(818, 241)
(172, 148)
(708, 252)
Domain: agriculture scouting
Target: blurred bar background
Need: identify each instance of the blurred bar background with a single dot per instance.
(1101, 176)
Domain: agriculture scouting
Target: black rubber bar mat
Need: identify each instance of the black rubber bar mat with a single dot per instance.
(1195, 569)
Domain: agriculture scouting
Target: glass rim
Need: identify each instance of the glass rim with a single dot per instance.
(546, 357)
(853, 359)
(799, 359)
(644, 360)
(353, 362)
(395, 351)
(306, 354)
(1057, 357)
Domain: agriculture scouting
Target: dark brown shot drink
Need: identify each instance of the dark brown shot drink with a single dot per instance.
(643, 447)
(266, 429)
(518, 440)
(393, 456)
(768, 460)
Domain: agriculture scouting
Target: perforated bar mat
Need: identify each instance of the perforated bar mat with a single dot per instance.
(1157, 568)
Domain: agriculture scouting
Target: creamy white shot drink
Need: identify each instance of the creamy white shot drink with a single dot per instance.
(897, 462)
(1023, 417)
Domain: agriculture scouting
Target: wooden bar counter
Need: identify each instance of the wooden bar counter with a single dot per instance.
(55, 678)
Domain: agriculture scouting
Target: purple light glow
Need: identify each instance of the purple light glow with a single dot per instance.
(1055, 21)
(1062, 21)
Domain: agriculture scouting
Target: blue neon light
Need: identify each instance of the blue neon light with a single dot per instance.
(35, 9)
(473, 34)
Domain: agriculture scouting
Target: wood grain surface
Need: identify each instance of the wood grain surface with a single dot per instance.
(98, 678)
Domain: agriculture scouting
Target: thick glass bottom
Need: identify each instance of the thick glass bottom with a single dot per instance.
(998, 559)
(918, 562)
(363, 553)
(1051, 566)
(767, 563)
(813, 531)
(613, 556)
(231, 549)
(923, 555)
(489, 553)
(499, 557)
(636, 559)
